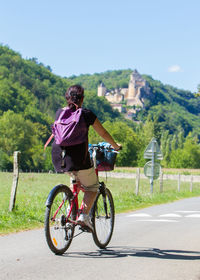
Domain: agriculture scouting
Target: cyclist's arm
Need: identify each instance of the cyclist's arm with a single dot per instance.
(98, 127)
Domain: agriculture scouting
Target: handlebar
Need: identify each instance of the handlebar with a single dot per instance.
(103, 156)
(108, 148)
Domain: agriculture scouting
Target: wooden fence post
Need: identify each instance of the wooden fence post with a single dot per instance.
(161, 181)
(15, 180)
(179, 182)
(137, 181)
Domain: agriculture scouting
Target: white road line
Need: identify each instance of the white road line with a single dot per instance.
(171, 215)
(158, 220)
(186, 214)
(193, 216)
(188, 211)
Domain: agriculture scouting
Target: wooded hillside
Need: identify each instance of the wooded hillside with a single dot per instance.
(30, 94)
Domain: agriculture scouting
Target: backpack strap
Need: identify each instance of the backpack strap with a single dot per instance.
(48, 141)
(61, 115)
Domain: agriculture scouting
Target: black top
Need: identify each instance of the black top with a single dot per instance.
(77, 156)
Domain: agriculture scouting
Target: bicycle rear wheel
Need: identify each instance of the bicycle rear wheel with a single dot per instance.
(103, 215)
(59, 234)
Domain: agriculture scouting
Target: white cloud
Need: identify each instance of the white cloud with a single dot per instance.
(174, 68)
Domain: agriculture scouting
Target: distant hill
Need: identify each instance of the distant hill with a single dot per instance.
(173, 108)
(30, 94)
(27, 85)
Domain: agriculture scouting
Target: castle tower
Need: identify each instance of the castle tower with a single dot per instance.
(101, 90)
(135, 76)
(131, 88)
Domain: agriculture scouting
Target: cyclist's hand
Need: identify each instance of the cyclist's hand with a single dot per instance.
(119, 147)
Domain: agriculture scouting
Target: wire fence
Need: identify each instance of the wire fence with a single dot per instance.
(180, 182)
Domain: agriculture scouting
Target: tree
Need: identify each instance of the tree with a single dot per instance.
(124, 135)
(174, 142)
(6, 161)
(18, 134)
(188, 156)
(100, 106)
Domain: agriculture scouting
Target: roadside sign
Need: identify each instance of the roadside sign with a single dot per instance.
(153, 150)
(152, 170)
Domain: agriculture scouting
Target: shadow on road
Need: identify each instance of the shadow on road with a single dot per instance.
(124, 251)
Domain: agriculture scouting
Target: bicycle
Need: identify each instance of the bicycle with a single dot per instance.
(62, 212)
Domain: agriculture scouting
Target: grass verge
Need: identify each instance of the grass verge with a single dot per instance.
(33, 189)
(175, 171)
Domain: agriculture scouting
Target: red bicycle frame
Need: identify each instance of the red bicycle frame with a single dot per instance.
(75, 190)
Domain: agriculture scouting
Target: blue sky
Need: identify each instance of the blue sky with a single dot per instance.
(158, 38)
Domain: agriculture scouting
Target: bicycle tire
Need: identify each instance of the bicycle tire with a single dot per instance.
(58, 233)
(103, 216)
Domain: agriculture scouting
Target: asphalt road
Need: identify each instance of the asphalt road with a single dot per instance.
(156, 243)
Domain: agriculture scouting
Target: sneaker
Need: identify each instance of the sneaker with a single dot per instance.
(85, 222)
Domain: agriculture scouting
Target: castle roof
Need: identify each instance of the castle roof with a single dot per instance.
(101, 84)
(135, 76)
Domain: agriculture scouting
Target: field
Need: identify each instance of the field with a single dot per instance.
(33, 189)
(182, 171)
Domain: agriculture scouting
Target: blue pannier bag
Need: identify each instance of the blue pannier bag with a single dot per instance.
(106, 156)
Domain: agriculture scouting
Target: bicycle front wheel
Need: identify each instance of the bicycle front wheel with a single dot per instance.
(59, 233)
(103, 218)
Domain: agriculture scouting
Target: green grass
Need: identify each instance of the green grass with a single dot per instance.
(174, 171)
(123, 191)
(33, 189)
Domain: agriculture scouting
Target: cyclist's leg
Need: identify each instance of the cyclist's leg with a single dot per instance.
(88, 200)
(71, 175)
(89, 181)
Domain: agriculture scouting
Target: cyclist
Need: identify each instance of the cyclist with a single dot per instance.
(77, 159)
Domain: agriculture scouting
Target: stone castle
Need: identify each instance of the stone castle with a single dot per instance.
(133, 95)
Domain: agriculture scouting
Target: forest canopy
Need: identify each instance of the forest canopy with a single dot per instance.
(30, 95)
